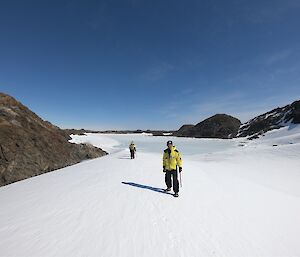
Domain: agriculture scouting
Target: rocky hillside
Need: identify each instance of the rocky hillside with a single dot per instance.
(30, 146)
(274, 119)
(184, 129)
(217, 126)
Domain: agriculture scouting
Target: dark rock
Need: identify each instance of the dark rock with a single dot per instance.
(157, 133)
(30, 146)
(183, 130)
(295, 113)
(274, 119)
(217, 126)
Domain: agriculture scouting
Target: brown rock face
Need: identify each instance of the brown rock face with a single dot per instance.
(30, 146)
(217, 126)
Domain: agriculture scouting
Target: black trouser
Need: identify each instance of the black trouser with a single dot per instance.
(132, 154)
(168, 180)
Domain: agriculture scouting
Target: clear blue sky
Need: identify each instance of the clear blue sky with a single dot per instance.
(153, 64)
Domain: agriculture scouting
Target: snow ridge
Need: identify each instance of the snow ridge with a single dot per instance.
(275, 119)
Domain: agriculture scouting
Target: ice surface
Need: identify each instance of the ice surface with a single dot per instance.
(239, 198)
(153, 144)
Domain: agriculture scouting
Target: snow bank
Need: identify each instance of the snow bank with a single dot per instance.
(106, 143)
(235, 201)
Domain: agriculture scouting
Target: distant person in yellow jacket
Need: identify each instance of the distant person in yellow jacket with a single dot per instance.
(172, 159)
(132, 149)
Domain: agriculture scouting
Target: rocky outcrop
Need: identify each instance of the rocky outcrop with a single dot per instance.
(277, 118)
(30, 146)
(217, 126)
(184, 130)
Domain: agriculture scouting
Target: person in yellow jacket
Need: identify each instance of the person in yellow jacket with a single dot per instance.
(132, 149)
(172, 159)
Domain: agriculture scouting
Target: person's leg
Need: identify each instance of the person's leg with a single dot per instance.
(175, 181)
(168, 179)
(131, 154)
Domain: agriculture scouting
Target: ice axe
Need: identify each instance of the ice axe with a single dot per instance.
(180, 179)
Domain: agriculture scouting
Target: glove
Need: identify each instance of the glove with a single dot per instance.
(164, 169)
(180, 169)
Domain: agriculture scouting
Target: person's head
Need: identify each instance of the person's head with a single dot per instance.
(170, 144)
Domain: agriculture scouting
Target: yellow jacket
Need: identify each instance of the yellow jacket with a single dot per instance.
(171, 160)
(132, 147)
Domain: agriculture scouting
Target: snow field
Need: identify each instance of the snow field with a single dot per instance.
(244, 201)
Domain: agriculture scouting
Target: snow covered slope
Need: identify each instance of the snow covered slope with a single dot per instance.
(277, 118)
(241, 201)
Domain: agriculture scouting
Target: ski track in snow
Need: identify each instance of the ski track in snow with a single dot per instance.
(235, 203)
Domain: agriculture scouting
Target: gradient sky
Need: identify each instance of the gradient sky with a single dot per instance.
(153, 64)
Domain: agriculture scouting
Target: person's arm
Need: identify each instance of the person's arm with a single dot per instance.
(179, 161)
(164, 162)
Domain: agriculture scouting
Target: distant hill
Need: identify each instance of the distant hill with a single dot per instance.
(30, 146)
(225, 126)
(277, 118)
(184, 129)
(217, 126)
(137, 131)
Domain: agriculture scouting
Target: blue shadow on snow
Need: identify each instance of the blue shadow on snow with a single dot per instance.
(155, 189)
